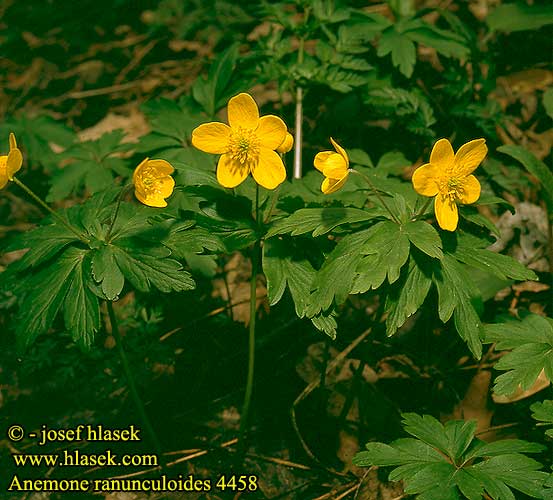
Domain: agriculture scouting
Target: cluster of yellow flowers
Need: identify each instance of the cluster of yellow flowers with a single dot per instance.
(254, 144)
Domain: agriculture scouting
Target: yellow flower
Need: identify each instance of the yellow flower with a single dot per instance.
(286, 145)
(10, 163)
(334, 166)
(153, 182)
(448, 178)
(247, 145)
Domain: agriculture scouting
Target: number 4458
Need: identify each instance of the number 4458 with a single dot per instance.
(237, 483)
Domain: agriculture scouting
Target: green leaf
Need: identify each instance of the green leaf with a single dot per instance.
(531, 341)
(519, 17)
(445, 42)
(536, 167)
(81, 310)
(406, 299)
(107, 273)
(402, 50)
(496, 468)
(44, 293)
(326, 323)
(548, 102)
(147, 271)
(318, 221)
(543, 411)
(425, 238)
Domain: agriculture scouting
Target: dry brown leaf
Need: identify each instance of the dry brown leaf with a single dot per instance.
(541, 383)
(133, 124)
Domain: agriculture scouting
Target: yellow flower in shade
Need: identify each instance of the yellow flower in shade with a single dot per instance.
(246, 145)
(153, 182)
(449, 178)
(286, 145)
(10, 163)
(334, 166)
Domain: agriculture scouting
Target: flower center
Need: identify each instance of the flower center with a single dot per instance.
(244, 145)
(450, 187)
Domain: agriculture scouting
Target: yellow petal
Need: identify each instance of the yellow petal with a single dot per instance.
(320, 159)
(13, 142)
(138, 170)
(446, 213)
(14, 162)
(470, 190)
(211, 137)
(165, 186)
(269, 171)
(243, 112)
(442, 155)
(271, 131)
(332, 185)
(231, 172)
(3, 172)
(335, 166)
(286, 144)
(162, 167)
(425, 180)
(469, 156)
(341, 151)
(152, 200)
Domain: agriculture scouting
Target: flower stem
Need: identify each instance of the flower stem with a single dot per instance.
(378, 195)
(57, 216)
(130, 380)
(423, 209)
(251, 341)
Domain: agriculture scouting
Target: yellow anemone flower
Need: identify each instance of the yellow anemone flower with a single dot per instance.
(334, 166)
(153, 182)
(10, 163)
(286, 145)
(246, 145)
(448, 178)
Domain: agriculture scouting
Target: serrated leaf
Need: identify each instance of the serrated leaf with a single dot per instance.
(445, 42)
(543, 411)
(407, 298)
(531, 341)
(107, 273)
(425, 238)
(402, 50)
(318, 221)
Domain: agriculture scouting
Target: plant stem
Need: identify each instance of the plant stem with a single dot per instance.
(124, 190)
(130, 380)
(423, 209)
(375, 191)
(267, 218)
(251, 341)
(48, 209)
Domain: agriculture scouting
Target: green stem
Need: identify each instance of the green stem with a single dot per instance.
(48, 209)
(267, 218)
(130, 380)
(375, 191)
(124, 190)
(423, 209)
(251, 341)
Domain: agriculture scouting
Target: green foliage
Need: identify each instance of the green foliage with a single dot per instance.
(442, 462)
(543, 412)
(517, 16)
(92, 165)
(531, 341)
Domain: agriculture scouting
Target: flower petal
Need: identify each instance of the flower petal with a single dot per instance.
(341, 151)
(320, 159)
(271, 131)
(470, 190)
(14, 162)
(152, 200)
(330, 185)
(425, 180)
(163, 168)
(286, 145)
(446, 213)
(469, 156)
(13, 142)
(442, 155)
(138, 170)
(334, 166)
(243, 112)
(165, 186)
(3, 172)
(231, 172)
(211, 137)
(269, 171)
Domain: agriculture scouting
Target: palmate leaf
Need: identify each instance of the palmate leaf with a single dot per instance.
(543, 411)
(434, 465)
(531, 341)
(402, 49)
